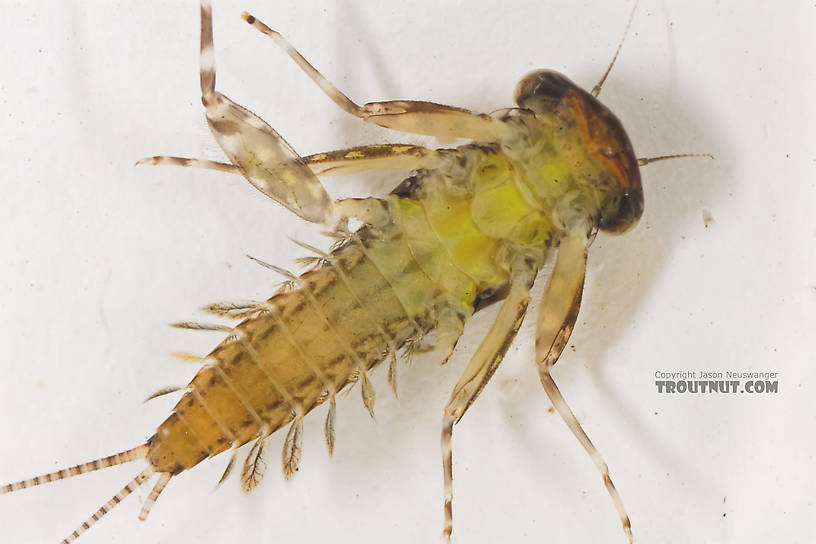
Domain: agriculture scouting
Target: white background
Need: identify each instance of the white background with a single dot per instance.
(98, 256)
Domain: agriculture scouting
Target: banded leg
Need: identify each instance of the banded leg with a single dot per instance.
(556, 318)
(375, 157)
(264, 158)
(417, 117)
(342, 161)
(480, 369)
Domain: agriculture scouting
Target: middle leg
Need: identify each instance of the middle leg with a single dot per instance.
(480, 369)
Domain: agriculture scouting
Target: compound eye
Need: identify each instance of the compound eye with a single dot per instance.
(542, 85)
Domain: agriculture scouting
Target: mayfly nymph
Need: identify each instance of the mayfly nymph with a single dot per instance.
(469, 226)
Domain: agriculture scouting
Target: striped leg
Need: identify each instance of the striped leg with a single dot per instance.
(265, 159)
(375, 157)
(197, 163)
(416, 117)
(480, 369)
(556, 318)
(342, 161)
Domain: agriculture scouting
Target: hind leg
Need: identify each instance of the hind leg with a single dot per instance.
(258, 152)
(417, 117)
(271, 165)
(366, 158)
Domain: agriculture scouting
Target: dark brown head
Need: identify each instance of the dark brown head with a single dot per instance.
(601, 138)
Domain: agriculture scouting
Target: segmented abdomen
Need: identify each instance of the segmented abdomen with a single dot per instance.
(382, 286)
(302, 346)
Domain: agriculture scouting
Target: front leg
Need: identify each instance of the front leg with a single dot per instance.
(557, 314)
(480, 369)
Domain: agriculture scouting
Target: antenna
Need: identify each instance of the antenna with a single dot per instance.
(645, 161)
(596, 90)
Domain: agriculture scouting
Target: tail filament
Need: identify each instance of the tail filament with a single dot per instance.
(108, 506)
(134, 454)
(123, 457)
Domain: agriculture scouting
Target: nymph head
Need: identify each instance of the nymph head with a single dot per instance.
(594, 137)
